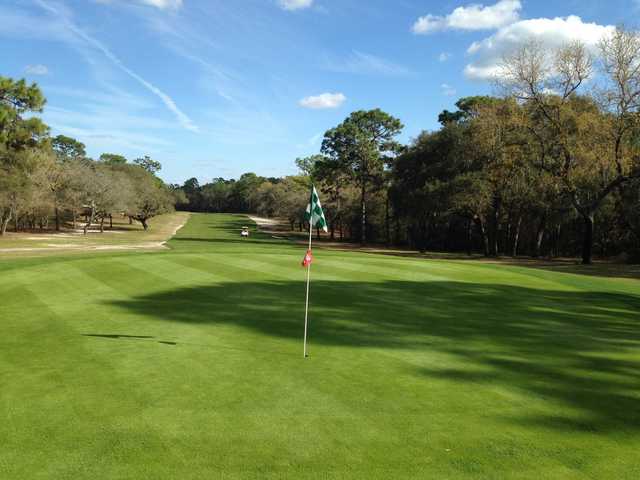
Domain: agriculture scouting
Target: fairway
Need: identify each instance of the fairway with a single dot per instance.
(187, 363)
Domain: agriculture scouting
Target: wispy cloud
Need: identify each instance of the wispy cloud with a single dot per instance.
(161, 4)
(323, 101)
(88, 40)
(245, 126)
(365, 63)
(107, 120)
(444, 56)
(36, 70)
(448, 90)
(295, 4)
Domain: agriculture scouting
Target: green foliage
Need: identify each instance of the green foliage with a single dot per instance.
(16, 99)
(68, 149)
(307, 165)
(361, 147)
(147, 163)
(113, 159)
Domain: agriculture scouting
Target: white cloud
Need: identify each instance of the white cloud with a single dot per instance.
(323, 101)
(161, 4)
(365, 63)
(448, 90)
(471, 17)
(83, 37)
(36, 70)
(295, 4)
(444, 56)
(550, 32)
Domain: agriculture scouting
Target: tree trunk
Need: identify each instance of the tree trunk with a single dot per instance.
(516, 236)
(556, 248)
(73, 213)
(90, 218)
(5, 222)
(587, 243)
(483, 233)
(130, 221)
(387, 221)
(57, 214)
(363, 205)
(494, 229)
(540, 236)
(110, 222)
(144, 223)
(102, 224)
(469, 237)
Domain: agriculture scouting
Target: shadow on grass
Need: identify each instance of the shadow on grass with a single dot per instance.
(563, 265)
(564, 346)
(151, 339)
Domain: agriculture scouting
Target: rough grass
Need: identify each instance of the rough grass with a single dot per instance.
(188, 364)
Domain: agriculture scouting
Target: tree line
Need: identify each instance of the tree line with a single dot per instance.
(50, 182)
(548, 167)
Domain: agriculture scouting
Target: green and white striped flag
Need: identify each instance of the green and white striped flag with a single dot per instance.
(314, 213)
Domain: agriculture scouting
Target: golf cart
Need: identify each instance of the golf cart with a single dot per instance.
(245, 232)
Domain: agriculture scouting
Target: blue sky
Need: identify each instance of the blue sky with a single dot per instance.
(216, 88)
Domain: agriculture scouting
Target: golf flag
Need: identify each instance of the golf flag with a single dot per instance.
(308, 259)
(314, 214)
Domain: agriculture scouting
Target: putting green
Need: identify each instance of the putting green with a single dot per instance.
(188, 364)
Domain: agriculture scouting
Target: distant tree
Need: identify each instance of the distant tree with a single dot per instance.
(467, 109)
(588, 144)
(179, 197)
(307, 165)
(112, 159)
(150, 165)
(151, 198)
(67, 148)
(20, 140)
(16, 99)
(72, 195)
(191, 189)
(363, 144)
(242, 197)
(105, 192)
(214, 196)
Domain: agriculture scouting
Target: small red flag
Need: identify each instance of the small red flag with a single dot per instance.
(308, 258)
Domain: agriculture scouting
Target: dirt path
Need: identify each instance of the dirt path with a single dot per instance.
(72, 247)
(265, 222)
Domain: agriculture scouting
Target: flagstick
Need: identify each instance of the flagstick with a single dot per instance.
(306, 310)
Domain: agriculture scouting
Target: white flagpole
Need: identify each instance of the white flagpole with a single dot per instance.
(306, 309)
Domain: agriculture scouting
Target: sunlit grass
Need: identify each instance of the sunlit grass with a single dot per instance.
(188, 364)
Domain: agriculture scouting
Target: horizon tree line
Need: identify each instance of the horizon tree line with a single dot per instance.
(44, 178)
(551, 166)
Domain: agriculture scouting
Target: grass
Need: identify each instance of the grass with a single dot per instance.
(122, 234)
(188, 364)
